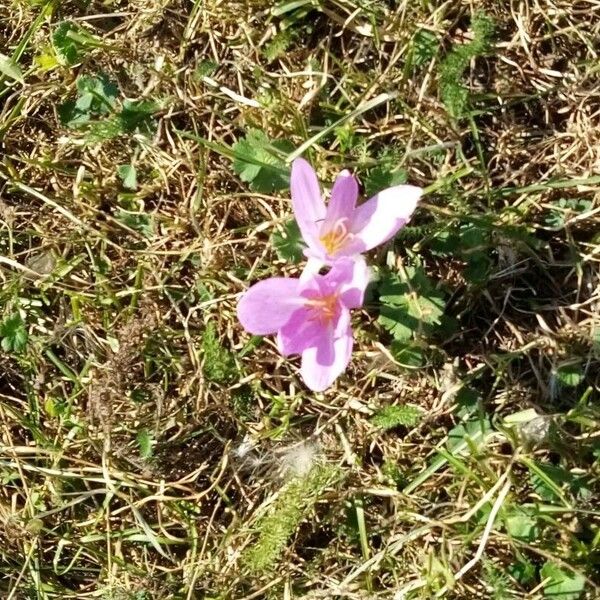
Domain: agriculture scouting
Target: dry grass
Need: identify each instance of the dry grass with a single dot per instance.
(150, 450)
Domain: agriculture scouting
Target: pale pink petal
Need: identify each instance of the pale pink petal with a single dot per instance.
(353, 291)
(312, 268)
(380, 218)
(349, 277)
(322, 364)
(342, 323)
(343, 200)
(307, 203)
(268, 305)
(316, 251)
(299, 333)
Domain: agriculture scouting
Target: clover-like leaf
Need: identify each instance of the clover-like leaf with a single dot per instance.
(13, 333)
(259, 162)
(410, 304)
(72, 42)
(128, 175)
(288, 243)
(382, 177)
(561, 584)
(570, 375)
(96, 96)
(521, 524)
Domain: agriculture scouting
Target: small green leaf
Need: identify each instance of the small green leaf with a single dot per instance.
(96, 96)
(10, 68)
(259, 162)
(564, 209)
(50, 407)
(410, 304)
(14, 334)
(46, 60)
(141, 222)
(393, 416)
(144, 440)
(72, 42)
(561, 584)
(548, 481)
(398, 322)
(467, 401)
(55, 407)
(128, 175)
(521, 524)
(570, 375)
(103, 92)
(107, 129)
(70, 116)
(478, 268)
(473, 235)
(409, 355)
(445, 242)
(523, 571)
(475, 430)
(382, 177)
(137, 115)
(289, 244)
(347, 138)
(425, 47)
(279, 44)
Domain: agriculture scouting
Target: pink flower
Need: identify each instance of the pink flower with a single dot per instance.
(311, 317)
(342, 229)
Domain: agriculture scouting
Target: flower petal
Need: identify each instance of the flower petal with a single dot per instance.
(348, 277)
(340, 274)
(299, 333)
(380, 218)
(312, 268)
(342, 323)
(324, 363)
(353, 291)
(307, 203)
(268, 305)
(343, 200)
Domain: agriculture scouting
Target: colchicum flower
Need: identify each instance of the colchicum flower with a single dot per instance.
(311, 317)
(343, 229)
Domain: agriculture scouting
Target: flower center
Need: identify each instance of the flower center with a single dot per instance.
(337, 237)
(324, 308)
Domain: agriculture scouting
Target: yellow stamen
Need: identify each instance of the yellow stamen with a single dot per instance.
(324, 307)
(337, 237)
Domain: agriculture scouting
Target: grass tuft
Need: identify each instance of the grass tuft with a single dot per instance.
(454, 94)
(218, 364)
(293, 504)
